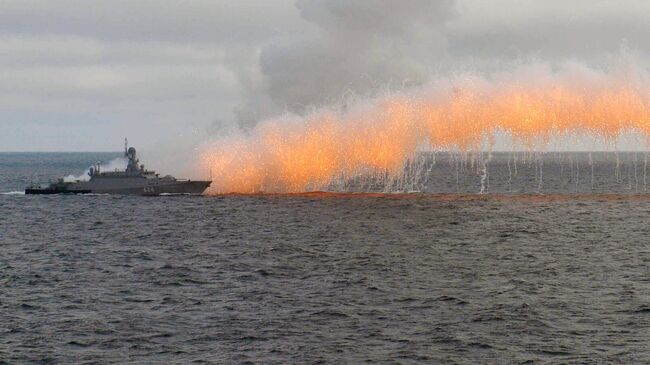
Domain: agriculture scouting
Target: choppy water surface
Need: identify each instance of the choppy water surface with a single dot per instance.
(321, 278)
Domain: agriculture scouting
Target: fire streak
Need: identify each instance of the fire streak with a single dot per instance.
(305, 154)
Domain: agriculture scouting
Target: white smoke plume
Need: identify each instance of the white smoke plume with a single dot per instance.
(116, 164)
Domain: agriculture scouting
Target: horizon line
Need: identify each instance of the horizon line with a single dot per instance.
(436, 151)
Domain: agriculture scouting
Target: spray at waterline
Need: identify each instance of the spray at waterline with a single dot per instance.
(381, 137)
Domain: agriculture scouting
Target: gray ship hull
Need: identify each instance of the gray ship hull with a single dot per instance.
(181, 187)
(177, 187)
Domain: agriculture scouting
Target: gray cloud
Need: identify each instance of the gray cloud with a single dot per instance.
(552, 30)
(148, 69)
(209, 21)
(79, 75)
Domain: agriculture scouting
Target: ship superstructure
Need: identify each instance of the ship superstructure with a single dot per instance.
(134, 180)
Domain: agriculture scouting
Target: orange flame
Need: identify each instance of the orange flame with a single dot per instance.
(301, 155)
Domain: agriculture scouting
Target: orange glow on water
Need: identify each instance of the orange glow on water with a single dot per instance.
(305, 154)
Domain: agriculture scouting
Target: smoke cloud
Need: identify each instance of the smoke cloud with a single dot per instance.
(533, 105)
(351, 47)
(370, 83)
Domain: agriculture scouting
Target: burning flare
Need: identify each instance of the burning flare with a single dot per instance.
(532, 106)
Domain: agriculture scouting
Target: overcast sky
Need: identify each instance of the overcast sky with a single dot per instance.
(81, 75)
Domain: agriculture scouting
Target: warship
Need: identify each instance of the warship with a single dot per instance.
(134, 180)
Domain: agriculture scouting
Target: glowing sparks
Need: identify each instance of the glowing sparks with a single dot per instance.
(307, 154)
